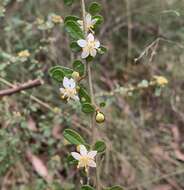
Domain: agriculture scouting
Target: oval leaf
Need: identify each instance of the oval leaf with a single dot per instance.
(59, 72)
(75, 47)
(83, 95)
(71, 160)
(88, 108)
(99, 146)
(68, 2)
(102, 50)
(95, 8)
(73, 137)
(74, 30)
(71, 18)
(99, 19)
(79, 67)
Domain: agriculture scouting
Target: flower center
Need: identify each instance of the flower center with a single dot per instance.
(91, 45)
(84, 161)
(69, 93)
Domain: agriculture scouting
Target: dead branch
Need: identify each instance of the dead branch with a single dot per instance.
(20, 87)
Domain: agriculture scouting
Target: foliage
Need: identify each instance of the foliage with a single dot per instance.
(143, 112)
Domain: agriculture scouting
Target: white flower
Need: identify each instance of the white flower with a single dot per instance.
(69, 91)
(89, 23)
(89, 46)
(85, 158)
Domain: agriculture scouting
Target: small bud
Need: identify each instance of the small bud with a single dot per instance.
(78, 88)
(63, 97)
(100, 117)
(75, 75)
(56, 110)
(78, 148)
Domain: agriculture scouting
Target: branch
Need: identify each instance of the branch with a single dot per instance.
(21, 87)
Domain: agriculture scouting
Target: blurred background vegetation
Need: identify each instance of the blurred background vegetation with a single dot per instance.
(143, 129)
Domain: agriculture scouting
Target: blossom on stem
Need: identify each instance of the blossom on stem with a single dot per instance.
(69, 91)
(89, 23)
(89, 46)
(86, 159)
(160, 80)
(24, 54)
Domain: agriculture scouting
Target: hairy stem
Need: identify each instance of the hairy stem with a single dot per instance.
(92, 123)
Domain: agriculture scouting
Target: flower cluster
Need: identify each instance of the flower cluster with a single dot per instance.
(89, 45)
(82, 33)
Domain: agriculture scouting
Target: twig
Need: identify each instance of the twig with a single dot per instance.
(20, 87)
(92, 123)
(129, 22)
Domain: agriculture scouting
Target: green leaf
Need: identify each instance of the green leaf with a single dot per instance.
(99, 146)
(89, 58)
(68, 2)
(71, 18)
(94, 8)
(73, 137)
(57, 75)
(88, 108)
(74, 30)
(71, 160)
(102, 104)
(83, 95)
(87, 187)
(59, 72)
(102, 50)
(75, 47)
(117, 187)
(99, 19)
(79, 67)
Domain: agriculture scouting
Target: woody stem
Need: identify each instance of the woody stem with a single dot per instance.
(92, 123)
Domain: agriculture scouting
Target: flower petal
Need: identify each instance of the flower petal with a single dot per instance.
(93, 22)
(93, 52)
(83, 150)
(76, 155)
(82, 43)
(66, 82)
(90, 37)
(62, 90)
(88, 18)
(97, 44)
(72, 83)
(92, 164)
(92, 154)
(85, 54)
(76, 98)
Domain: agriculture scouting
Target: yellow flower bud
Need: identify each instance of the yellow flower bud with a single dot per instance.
(100, 117)
(56, 110)
(78, 148)
(63, 97)
(75, 75)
